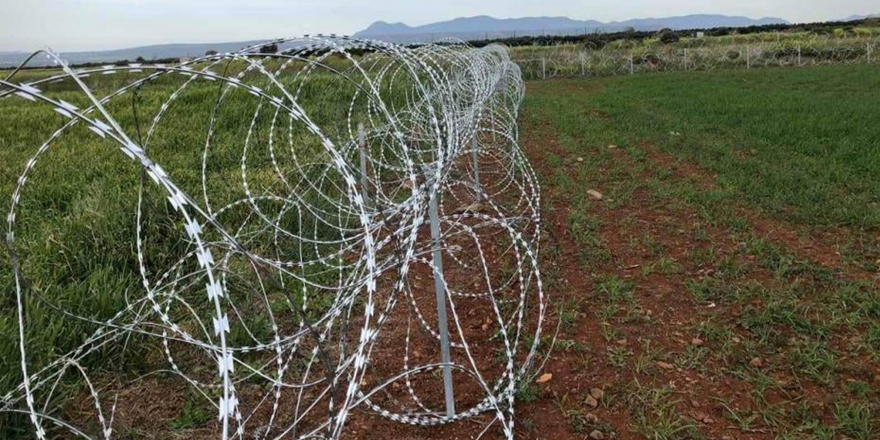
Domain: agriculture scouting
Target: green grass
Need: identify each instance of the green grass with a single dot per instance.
(656, 416)
(196, 412)
(799, 143)
(795, 147)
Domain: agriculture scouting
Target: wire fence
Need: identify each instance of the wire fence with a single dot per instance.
(319, 224)
(632, 59)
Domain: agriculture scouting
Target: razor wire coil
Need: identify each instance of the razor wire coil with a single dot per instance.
(292, 261)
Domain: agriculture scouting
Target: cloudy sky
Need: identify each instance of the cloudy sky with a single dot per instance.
(72, 25)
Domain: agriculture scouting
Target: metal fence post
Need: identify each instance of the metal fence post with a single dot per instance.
(475, 157)
(799, 57)
(748, 58)
(543, 68)
(868, 51)
(632, 65)
(362, 149)
(583, 64)
(440, 289)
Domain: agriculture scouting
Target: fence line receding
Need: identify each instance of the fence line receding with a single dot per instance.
(301, 210)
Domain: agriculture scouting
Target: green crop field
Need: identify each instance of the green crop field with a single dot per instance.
(731, 263)
(800, 144)
(723, 284)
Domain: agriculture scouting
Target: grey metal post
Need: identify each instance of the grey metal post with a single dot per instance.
(583, 64)
(869, 52)
(799, 57)
(440, 288)
(543, 68)
(362, 148)
(748, 58)
(632, 65)
(475, 156)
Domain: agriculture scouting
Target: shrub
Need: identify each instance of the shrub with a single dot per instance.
(669, 37)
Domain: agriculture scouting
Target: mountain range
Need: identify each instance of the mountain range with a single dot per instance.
(861, 17)
(466, 28)
(484, 26)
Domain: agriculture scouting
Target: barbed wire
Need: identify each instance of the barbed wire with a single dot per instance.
(705, 54)
(305, 284)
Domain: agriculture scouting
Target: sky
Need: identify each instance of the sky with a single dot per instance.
(77, 25)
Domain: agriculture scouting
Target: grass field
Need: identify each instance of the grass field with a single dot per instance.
(796, 143)
(725, 285)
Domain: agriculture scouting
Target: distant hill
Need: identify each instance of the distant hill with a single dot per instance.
(471, 28)
(860, 17)
(482, 26)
